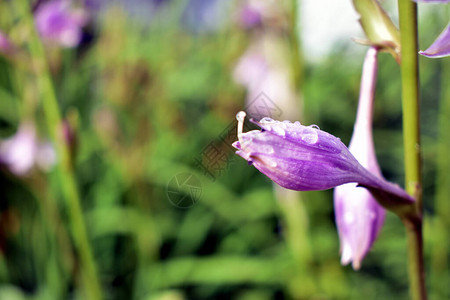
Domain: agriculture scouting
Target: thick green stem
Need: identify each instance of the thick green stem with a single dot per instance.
(410, 97)
(411, 140)
(67, 179)
(415, 258)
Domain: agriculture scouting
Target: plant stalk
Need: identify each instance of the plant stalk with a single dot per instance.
(411, 141)
(88, 273)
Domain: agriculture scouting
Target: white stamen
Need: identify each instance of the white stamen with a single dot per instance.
(240, 116)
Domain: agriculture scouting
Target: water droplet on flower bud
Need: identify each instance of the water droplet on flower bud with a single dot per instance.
(279, 130)
(309, 135)
(266, 120)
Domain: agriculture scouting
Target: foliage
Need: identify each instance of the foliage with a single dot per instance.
(144, 101)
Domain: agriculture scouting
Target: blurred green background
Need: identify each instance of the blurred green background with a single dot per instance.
(151, 97)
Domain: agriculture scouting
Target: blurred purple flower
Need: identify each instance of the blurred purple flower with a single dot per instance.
(251, 71)
(58, 22)
(250, 16)
(18, 152)
(305, 158)
(23, 150)
(441, 46)
(264, 70)
(267, 14)
(5, 45)
(359, 217)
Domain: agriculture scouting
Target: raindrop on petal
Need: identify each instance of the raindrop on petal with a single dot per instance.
(309, 135)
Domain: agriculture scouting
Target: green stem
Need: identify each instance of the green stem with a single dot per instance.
(415, 258)
(67, 179)
(411, 140)
(297, 55)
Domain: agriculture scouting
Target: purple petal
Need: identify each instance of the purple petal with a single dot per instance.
(359, 217)
(440, 47)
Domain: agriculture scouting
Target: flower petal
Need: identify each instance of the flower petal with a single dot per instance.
(440, 47)
(359, 217)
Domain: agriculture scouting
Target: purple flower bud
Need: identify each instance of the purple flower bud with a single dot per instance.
(305, 158)
(297, 157)
(57, 22)
(359, 217)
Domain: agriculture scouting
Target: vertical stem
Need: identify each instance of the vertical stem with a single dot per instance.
(67, 179)
(411, 140)
(297, 55)
(410, 97)
(415, 259)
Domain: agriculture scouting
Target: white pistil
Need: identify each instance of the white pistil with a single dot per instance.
(240, 116)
